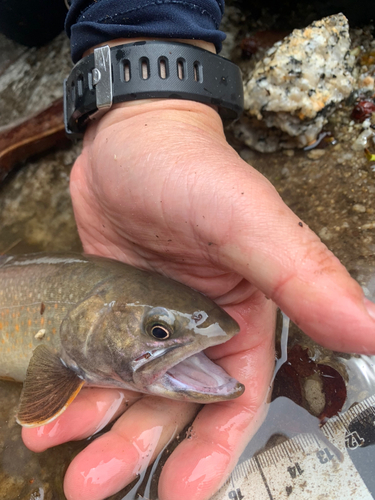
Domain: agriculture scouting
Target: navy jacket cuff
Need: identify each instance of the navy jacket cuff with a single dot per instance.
(91, 23)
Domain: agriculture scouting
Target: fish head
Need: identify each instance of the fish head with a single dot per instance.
(170, 361)
(149, 336)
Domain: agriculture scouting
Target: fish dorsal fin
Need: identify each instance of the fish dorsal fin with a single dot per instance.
(48, 390)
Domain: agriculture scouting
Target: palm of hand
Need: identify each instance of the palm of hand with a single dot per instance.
(161, 189)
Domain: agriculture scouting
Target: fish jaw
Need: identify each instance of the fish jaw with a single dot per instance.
(196, 379)
(183, 372)
(179, 369)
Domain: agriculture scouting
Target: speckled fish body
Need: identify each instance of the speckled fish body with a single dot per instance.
(68, 320)
(35, 295)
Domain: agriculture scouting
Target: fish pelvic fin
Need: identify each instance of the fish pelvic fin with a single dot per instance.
(48, 390)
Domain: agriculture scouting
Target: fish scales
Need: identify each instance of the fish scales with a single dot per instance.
(35, 295)
(68, 320)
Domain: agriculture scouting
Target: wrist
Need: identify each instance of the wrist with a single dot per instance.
(156, 112)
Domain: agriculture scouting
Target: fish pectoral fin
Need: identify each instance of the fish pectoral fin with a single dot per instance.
(48, 390)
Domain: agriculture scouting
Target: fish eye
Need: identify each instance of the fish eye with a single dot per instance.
(159, 323)
(160, 332)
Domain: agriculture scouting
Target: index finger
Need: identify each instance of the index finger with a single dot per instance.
(201, 464)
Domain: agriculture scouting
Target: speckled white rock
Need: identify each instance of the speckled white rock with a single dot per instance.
(301, 79)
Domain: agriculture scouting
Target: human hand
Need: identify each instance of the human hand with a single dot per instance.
(158, 186)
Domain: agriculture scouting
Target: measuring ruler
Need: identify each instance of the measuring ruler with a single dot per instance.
(305, 468)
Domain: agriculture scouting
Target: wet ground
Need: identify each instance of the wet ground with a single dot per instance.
(332, 190)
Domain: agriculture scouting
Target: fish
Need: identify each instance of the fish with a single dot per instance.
(72, 320)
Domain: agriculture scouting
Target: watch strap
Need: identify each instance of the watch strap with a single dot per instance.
(147, 70)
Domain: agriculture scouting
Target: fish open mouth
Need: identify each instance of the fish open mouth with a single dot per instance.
(198, 379)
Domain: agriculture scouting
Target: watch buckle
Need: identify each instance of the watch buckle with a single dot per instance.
(102, 77)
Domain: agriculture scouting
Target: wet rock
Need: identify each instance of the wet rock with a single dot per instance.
(298, 83)
(315, 154)
(359, 208)
(31, 79)
(361, 141)
(35, 208)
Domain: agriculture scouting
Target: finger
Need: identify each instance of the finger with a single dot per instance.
(268, 244)
(113, 460)
(201, 464)
(90, 412)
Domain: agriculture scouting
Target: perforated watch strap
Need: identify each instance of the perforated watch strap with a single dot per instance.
(145, 70)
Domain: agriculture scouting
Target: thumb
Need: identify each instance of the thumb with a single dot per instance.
(274, 250)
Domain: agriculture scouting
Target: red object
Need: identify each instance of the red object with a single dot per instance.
(261, 40)
(291, 378)
(362, 111)
(334, 388)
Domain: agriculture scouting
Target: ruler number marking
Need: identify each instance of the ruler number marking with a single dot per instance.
(324, 456)
(353, 440)
(294, 470)
(235, 494)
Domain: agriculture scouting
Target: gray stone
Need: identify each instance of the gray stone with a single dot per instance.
(298, 83)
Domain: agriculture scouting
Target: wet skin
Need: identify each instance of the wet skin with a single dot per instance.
(174, 197)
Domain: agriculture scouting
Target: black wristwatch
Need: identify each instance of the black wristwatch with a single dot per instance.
(146, 70)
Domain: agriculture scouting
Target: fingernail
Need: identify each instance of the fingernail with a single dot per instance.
(370, 306)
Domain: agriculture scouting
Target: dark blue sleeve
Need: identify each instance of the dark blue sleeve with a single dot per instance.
(90, 22)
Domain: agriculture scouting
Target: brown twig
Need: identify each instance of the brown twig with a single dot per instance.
(10, 247)
(34, 135)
